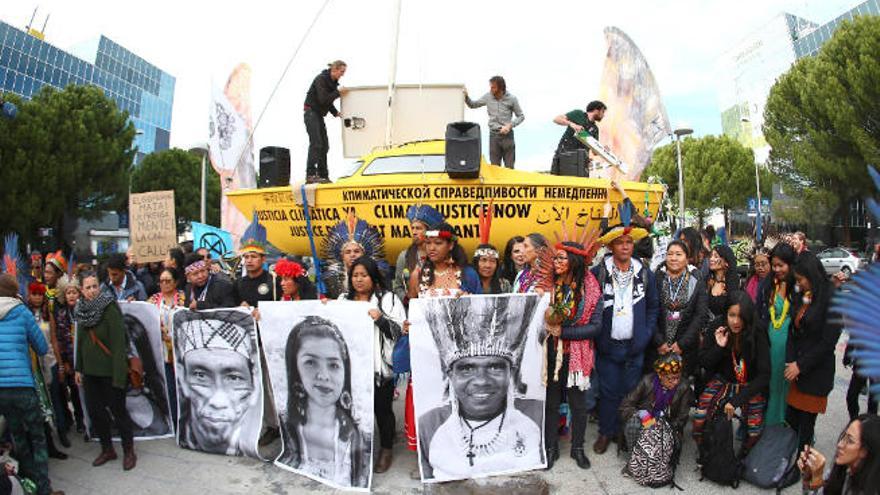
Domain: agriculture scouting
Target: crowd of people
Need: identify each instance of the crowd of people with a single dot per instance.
(624, 343)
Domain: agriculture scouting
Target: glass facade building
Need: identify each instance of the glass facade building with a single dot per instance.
(28, 63)
(750, 68)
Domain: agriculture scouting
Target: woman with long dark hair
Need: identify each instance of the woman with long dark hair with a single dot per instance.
(485, 261)
(176, 261)
(737, 360)
(293, 281)
(571, 325)
(697, 253)
(421, 219)
(856, 469)
(169, 299)
(513, 260)
(527, 279)
(722, 279)
(775, 297)
(365, 283)
(321, 436)
(682, 308)
(759, 269)
(446, 270)
(809, 359)
(148, 403)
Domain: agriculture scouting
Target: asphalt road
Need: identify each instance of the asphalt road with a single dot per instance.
(166, 469)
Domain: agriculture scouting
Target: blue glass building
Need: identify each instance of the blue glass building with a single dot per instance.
(27, 63)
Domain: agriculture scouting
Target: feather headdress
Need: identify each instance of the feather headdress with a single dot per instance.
(425, 214)
(12, 262)
(624, 227)
(351, 230)
(860, 309)
(587, 237)
(480, 326)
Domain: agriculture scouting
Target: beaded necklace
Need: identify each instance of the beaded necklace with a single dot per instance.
(778, 322)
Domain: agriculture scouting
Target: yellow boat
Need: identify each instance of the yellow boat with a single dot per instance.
(386, 182)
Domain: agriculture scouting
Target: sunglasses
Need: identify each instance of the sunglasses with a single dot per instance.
(165, 280)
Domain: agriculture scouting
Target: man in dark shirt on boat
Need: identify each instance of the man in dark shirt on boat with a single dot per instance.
(576, 121)
(319, 100)
(501, 107)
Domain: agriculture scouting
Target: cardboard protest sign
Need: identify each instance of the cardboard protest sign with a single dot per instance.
(153, 225)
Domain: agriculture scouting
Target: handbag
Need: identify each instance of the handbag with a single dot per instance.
(135, 366)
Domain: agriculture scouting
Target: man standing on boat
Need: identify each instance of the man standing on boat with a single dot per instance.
(319, 100)
(501, 107)
(576, 121)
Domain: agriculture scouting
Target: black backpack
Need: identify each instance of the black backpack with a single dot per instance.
(772, 462)
(717, 457)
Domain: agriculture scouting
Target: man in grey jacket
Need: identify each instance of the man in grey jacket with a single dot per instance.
(501, 106)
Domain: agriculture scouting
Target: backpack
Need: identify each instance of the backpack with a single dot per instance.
(718, 460)
(654, 456)
(772, 462)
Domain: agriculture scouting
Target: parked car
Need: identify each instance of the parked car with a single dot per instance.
(841, 260)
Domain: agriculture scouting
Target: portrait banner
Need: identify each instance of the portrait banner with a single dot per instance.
(153, 225)
(219, 381)
(320, 360)
(478, 393)
(148, 406)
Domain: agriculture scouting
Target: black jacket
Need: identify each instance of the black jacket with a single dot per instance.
(719, 363)
(811, 345)
(693, 314)
(321, 94)
(220, 294)
(642, 397)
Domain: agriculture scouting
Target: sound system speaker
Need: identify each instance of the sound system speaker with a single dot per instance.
(570, 163)
(274, 167)
(463, 148)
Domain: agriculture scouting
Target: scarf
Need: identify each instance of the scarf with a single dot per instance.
(89, 313)
(662, 397)
(580, 352)
(675, 295)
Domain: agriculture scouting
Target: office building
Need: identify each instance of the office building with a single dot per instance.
(27, 63)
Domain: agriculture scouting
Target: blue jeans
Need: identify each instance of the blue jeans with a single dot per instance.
(620, 374)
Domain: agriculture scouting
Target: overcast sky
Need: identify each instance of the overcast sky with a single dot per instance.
(550, 52)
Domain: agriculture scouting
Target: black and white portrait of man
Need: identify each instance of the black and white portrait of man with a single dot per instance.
(219, 387)
(481, 411)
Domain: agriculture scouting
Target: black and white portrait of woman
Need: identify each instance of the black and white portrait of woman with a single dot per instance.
(147, 405)
(479, 398)
(219, 385)
(320, 363)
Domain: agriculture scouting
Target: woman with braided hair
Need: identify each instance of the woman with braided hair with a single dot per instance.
(571, 324)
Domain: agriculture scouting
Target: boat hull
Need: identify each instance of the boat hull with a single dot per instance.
(522, 202)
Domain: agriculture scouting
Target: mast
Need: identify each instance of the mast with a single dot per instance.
(392, 69)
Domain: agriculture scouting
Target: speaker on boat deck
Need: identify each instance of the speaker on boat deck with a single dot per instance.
(571, 163)
(274, 167)
(463, 150)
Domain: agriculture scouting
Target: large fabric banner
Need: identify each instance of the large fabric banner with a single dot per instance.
(230, 148)
(478, 393)
(219, 381)
(320, 359)
(148, 406)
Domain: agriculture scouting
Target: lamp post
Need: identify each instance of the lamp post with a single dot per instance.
(681, 131)
(202, 149)
(745, 120)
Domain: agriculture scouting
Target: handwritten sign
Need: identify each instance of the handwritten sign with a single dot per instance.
(153, 225)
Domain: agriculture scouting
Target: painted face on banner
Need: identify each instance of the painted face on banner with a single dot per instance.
(480, 384)
(321, 369)
(219, 384)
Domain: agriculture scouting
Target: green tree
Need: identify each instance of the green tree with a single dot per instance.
(180, 171)
(822, 120)
(719, 172)
(67, 152)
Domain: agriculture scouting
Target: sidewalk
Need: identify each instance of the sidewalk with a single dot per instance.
(163, 468)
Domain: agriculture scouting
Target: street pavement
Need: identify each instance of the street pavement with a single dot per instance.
(163, 468)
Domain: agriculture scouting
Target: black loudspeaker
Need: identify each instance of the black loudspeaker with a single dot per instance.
(570, 163)
(274, 167)
(463, 150)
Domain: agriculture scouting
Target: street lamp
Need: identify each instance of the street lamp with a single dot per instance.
(681, 131)
(745, 120)
(201, 149)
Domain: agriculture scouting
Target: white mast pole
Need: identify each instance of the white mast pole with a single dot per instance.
(392, 70)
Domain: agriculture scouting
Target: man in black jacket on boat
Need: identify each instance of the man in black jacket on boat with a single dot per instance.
(319, 100)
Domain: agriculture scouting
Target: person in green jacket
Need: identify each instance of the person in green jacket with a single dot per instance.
(102, 368)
